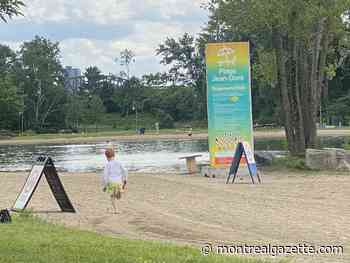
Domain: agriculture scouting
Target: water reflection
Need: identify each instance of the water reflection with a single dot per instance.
(141, 156)
(146, 156)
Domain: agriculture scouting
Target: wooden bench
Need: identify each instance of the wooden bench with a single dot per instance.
(191, 162)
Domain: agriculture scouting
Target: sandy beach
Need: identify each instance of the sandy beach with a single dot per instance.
(287, 209)
(260, 134)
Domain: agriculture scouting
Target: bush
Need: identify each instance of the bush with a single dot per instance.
(346, 144)
(68, 131)
(29, 133)
(6, 133)
(47, 130)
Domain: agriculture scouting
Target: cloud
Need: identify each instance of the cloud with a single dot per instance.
(100, 12)
(83, 53)
(14, 45)
(59, 31)
(143, 41)
(108, 11)
(94, 32)
(176, 8)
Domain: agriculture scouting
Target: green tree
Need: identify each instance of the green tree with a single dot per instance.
(340, 109)
(131, 93)
(94, 110)
(157, 80)
(10, 8)
(43, 82)
(11, 103)
(93, 78)
(181, 56)
(74, 111)
(336, 107)
(106, 92)
(187, 68)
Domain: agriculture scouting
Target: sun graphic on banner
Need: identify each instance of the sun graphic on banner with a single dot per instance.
(228, 56)
(233, 99)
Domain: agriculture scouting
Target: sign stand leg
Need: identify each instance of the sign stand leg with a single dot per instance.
(259, 179)
(243, 148)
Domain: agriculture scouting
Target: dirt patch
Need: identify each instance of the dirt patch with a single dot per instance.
(287, 209)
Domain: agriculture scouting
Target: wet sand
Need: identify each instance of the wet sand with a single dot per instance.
(287, 209)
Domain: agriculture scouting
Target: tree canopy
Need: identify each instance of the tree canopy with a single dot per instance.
(300, 37)
(10, 8)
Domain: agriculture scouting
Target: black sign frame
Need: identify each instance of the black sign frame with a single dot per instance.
(240, 150)
(44, 165)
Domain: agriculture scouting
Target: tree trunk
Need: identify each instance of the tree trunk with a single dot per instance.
(306, 91)
(323, 85)
(314, 82)
(283, 82)
(300, 134)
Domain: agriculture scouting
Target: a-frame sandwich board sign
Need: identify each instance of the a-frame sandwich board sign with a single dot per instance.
(43, 165)
(243, 148)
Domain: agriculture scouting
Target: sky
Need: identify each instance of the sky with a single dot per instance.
(92, 33)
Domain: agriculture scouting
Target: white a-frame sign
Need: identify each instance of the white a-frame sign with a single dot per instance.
(243, 148)
(44, 165)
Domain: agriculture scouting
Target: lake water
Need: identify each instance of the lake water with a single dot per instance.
(146, 156)
(139, 156)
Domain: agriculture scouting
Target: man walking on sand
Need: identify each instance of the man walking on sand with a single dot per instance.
(114, 178)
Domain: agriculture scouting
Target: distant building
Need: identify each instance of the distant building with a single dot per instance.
(73, 79)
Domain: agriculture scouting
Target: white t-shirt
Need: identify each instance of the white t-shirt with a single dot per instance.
(114, 172)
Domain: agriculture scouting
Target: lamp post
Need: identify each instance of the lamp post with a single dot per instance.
(20, 120)
(321, 124)
(19, 123)
(22, 126)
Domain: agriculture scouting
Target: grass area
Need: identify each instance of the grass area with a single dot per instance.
(103, 133)
(114, 121)
(289, 164)
(117, 122)
(73, 135)
(113, 124)
(29, 239)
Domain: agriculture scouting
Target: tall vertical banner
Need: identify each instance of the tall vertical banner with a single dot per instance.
(229, 100)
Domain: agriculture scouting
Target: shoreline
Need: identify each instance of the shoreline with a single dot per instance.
(276, 134)
(87, 139)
